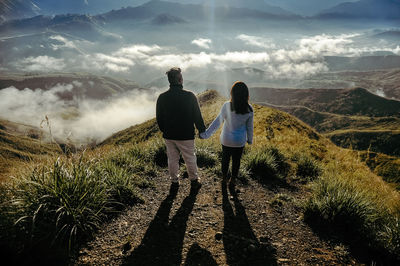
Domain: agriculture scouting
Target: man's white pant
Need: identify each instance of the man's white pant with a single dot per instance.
(186, 147)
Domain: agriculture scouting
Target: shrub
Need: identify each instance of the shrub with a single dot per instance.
(390, 171)
(283, 166)
(307, 168)
(121, 185)
(61, 202)
(206, 157)
(266, 163)
(261, 165)
(158, 152)
(133, 162)
(353, 214)
(58, 205)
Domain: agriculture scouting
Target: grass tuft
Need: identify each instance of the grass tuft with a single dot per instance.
(206, 156)
(266, 163)
(342, 208)
(158, 152)
(307, 167)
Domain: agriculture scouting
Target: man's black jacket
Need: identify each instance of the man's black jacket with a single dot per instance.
(177, 112)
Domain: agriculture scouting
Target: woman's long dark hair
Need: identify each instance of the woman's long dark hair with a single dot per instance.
(240, 98)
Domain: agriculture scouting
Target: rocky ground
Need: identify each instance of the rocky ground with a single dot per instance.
(251, 225)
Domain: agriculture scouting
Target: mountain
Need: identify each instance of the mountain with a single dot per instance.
(249, 4)
(191, 12)
(349, 117)
(392, 35)
(362, 63)
(355, 101)
(365, 9)
(306, 7)
(166, 19)
(13, 9)
(380, 141)
(89, 86)
(48, 7)
(381, 82)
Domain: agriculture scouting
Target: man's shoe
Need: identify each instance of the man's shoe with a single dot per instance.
(175, 184)
(195, 183)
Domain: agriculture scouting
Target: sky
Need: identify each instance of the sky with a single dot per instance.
(303, 7)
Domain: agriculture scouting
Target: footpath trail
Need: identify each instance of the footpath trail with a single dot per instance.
(253, 225)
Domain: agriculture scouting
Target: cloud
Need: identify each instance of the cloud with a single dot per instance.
(137, 51)
(82, 120)
(396, 50)
(63, 43)
(202, 43)
(380, 92)
(41, 63)
(284, 61)
(327, 44)
(256, 41)
(100, 119)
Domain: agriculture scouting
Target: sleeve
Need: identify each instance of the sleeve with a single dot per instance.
(198, 119)
(214, 125)
(159, 114)
(249, 127)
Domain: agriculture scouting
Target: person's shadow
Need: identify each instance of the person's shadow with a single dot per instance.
(198, 256)
(163, 241)
(240, 243)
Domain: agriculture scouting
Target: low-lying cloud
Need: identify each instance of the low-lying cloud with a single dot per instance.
(296, 59)
(202, 43)
(41, 63)
(81, 120)
(256, 41)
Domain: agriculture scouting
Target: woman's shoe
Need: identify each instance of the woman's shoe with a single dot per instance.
(224, 179)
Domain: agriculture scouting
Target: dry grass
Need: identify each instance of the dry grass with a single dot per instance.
(139, 149)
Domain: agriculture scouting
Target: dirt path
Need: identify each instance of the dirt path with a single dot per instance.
(254, 225)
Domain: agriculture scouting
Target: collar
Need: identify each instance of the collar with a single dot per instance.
(176, 87)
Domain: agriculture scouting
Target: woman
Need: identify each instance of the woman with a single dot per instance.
(237, 116)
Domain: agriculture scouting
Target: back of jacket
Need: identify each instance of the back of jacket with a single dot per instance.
(177, 112)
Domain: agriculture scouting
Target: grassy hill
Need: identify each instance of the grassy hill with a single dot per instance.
(325, 122)
(378, 134)
(386, 81)
(351, 118)
(382, 141)
(21, 144)
(355, 101)
(67, 200)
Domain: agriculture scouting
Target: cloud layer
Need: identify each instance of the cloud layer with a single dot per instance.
(296, 59)
(82, 120)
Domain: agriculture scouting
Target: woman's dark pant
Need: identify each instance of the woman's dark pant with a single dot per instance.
(236, 154)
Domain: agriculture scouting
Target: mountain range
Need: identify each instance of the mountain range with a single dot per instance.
(365, 9)
(377, 9)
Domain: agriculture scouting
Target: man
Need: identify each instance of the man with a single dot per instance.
(177, 112)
